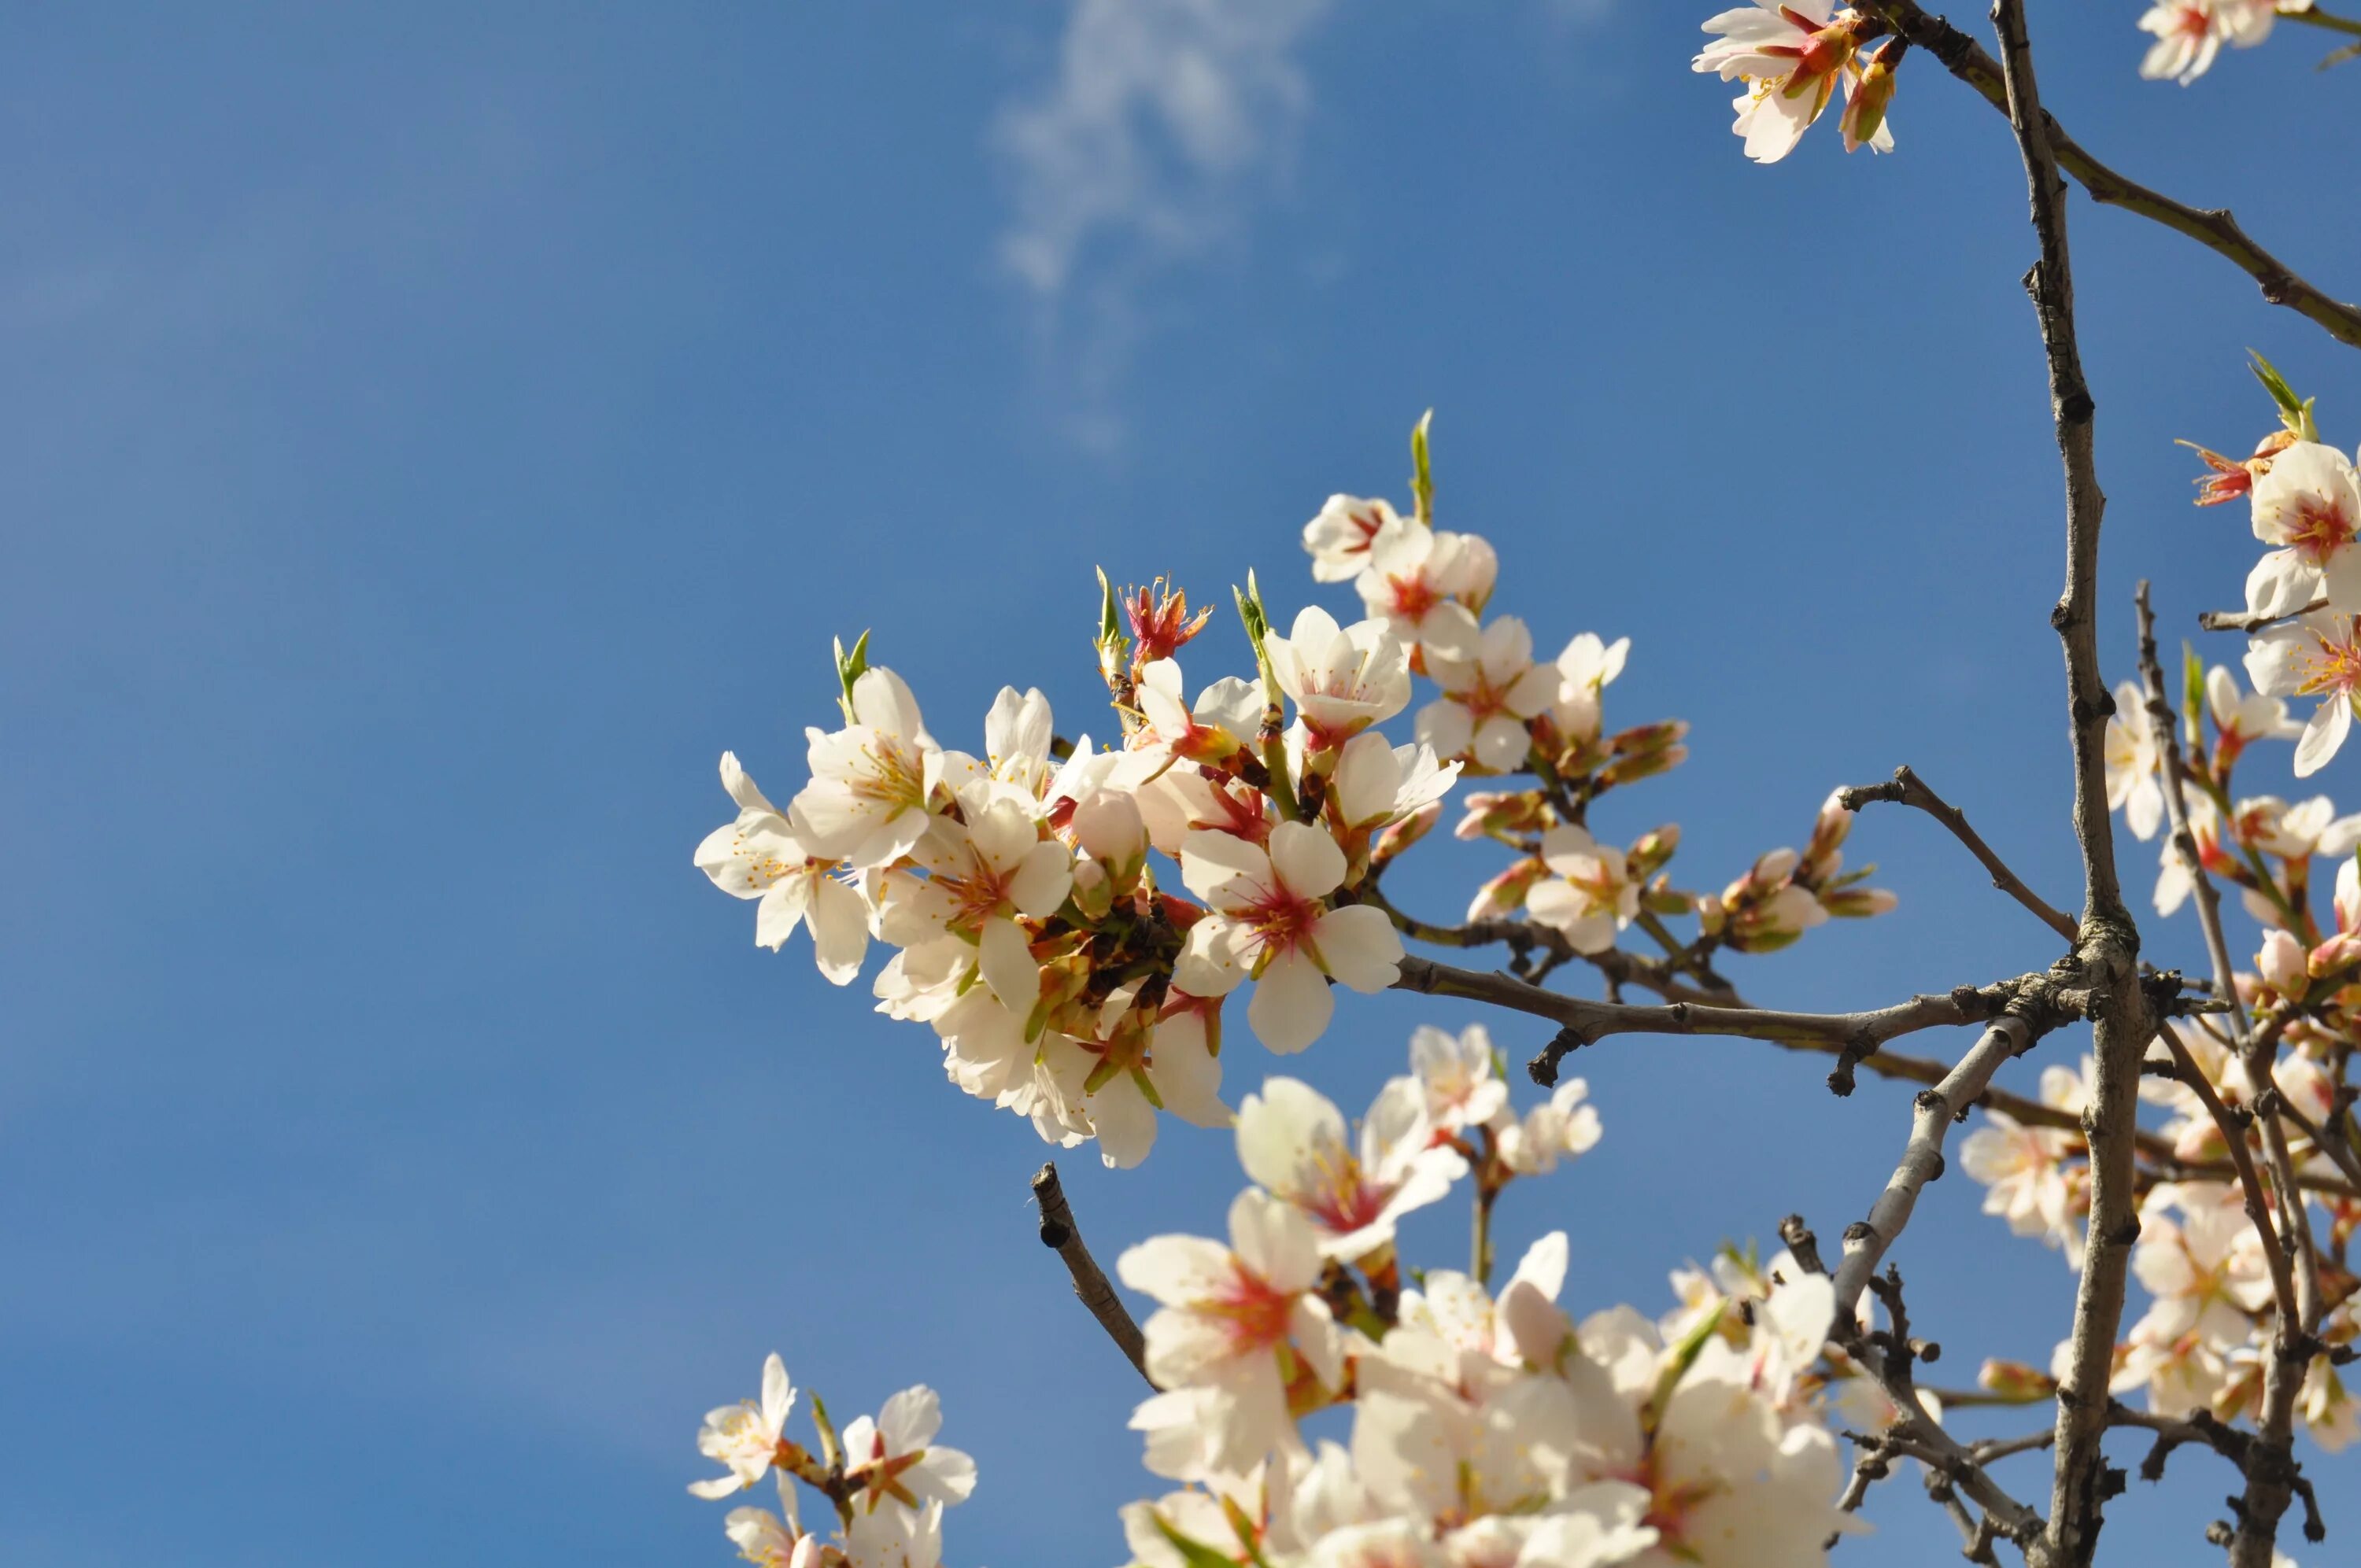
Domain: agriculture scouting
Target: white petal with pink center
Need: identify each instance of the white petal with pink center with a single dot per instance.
(2318, 655)
(1341, 679)
(1266, 921)
(1226, 1315)
(1488, 699)
(1293, 1141)
(759, 856)
(1456, 1074)
(895, 1461)
(1591, 898)
(1428, 586)
(1338, 538)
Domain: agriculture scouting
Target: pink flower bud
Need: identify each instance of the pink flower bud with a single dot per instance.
(2282, 963)
(1401, 834)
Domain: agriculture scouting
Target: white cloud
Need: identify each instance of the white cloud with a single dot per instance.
(1160, 114)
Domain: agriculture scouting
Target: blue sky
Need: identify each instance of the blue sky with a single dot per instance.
(430, 437)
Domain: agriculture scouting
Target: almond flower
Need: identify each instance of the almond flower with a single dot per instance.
(2241, 718)
(2309, 503)
(1266, 921)
(773, 1541)
(1794, 60)
(1427, 585)
(1561, 1128)
(1239, 1321)
(1590, 895)
(2032, 1182)
(2134, 761)
(1292, 1143)
(1587, 668)
(1455, 1075)
(982, 876)
(1488, 699)
(744, 1438)
(1338, 539)
(1211, 729)
(873, 781)
(2189, 33)
(2316, 655)
(895, 1458)
(760, 856)
(1341, 679)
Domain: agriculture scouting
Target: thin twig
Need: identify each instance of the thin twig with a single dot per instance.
(1866, 1242)
(1909, 789)
(1090, 1284)
(2214, 228)
(2269, 1486)
(2257, 620)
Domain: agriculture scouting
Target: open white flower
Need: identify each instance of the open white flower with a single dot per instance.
(1231, 1316)
(1561, 1128)
(1341, 679)
(1590, 895)
(744, 1438)
(773, 1541)
(1224, 716)
(1266, 920)
(2241, 718)
(895, 1458)
(2032, 1182)
(1794, 60)
(1456, 1076)
(1338, 539)
(1377, 783)
(759, 856)
(1427, 585)
(2308, 503)
(1293, 1141)
(1144, 1060)
(1586, 669)
(982, 876)
(895, 1537)
(873, 781)
(1488, 698)
(2134, 761)
(2189, 33)
(2316, 655)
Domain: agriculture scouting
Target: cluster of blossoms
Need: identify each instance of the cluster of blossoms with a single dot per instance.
(1486, 1432)
(2204, 1339)
(2189, 33)
(887, 1480)
(1072, 920)
(1796, 59)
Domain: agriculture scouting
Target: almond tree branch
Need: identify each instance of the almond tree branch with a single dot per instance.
(1909, 789)
(2215, 228)
(1091, 1285)
(2270, 1471)
(1934, 1110)
(2108, 947)
(2243, 620)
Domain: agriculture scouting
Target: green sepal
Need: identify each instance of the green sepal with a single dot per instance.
(2294, 412)
(849, 669)
(1422, 478)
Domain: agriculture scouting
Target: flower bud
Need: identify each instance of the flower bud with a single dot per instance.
(1505, 894)
(1711, 914)
(2282, 963)
(1108, 828)
(2015, 1381)
(1663, 898)
(1400, 836)
(1504, 813)
(1864, 112)
(1651, 850)
(1857, 903)
(1766, 925)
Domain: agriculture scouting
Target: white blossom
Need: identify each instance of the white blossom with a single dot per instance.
(760, 856)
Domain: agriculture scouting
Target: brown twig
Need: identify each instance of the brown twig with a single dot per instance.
(2243, 620)
(1092, 1285)
(2214, 228)
(2108, 948)
(1934, 1110)
(1909, 789)
(2270, 1485)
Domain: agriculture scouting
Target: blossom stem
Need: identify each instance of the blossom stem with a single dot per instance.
(2322, 19)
